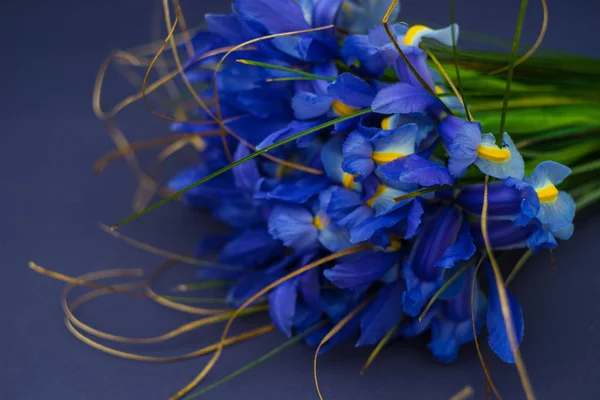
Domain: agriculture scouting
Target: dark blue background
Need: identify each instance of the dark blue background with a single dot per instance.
(51, 203)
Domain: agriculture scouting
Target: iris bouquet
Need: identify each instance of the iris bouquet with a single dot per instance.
(371, 171)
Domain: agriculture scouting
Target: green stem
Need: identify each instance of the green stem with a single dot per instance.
(238, 162)
(513, 59)
(285, 69)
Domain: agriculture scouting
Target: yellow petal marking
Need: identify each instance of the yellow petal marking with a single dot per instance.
(342, 109)
(547, 194)
(412, 35)
(493, 153)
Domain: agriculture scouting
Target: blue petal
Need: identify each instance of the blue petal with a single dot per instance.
(293, 225)
(402, 98)
(299, 191)
(497, 329)
(443, 35)
(513, 167)
(246, 175)
(548, 172)
(450, 125)
(253, 248)
(366, 229)
(362, 270)
(293, 128)
(309, 286)
(564, 233)
(414, 219)
(357, 152)
(310, 105)
(413, 327)
(418, 292)
(383, 201)
(505, 234)
(382, 314)
(358, 48)
(282, 305)
(455, 287)
(542, 238)
(558, 213)
(400, 140)
(352, 91)
(341, 201)
(444, 345)
(463, 249)
(276, 16)
(226, 26)
(355, 218)
(463, 150)
(325, 11)
(416, 169)
(334, 238)
(418, 59)
(437, 234)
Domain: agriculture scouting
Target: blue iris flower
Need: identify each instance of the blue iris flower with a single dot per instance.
(557, 208)
(363, 153)
(466, 145)
(444, 239)
(306, 229)
(364, 215)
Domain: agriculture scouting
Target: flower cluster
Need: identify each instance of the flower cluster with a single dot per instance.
(393, 166)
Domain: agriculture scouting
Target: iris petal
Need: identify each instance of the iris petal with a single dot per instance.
(282, 305)
(383, 313)
(417, 170)
(300, 190)
(548, 172)
(461, 250)
(403, 98)
(497, 329)
(310, 105)
(559, 213)
(358, 152)
(352, 91)
(362, 270)
(463, 148)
